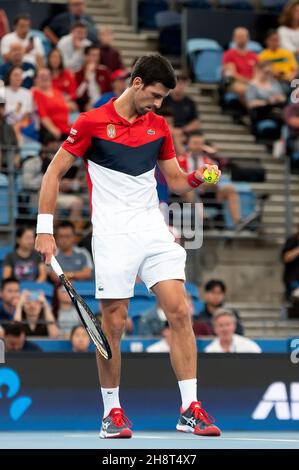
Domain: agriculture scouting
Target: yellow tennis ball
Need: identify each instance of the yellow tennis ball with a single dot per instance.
(210, 176)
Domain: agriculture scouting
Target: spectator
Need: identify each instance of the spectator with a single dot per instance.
(184, 109)
(4, 25)
(32, 45)
(75, 262)
(61, 24)
(227, 340)
(10, 293)
(64, 311)
(289, 27)
(291, 118)
(72, 47)
(119, 84)
(35, 313)
(25, 264)
(110, 57)
(264, 96)
(71, 187)
(80, 340)
(93, 79)
(290, 257)
(199, 153)
(238, 64)
(16, 59)
(52, 109)
(15, 338)
(62, 79)
(164, 344)
(214, 297)
(18, 105)
(283, 61)
(8, 157)
(152, 322)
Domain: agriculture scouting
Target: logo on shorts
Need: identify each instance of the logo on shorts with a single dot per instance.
(73, 131)
(111, 132)
(100, 288)
(70, 139)
(151, 132)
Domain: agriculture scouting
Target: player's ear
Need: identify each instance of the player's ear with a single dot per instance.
(137, 83)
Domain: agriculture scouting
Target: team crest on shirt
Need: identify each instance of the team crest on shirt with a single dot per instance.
(73, 131)
(151, 132)
(111, 132)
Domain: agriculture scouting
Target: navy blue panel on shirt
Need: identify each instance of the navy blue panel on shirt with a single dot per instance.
(133, 161)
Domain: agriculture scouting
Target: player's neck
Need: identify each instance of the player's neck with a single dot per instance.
(124, 106)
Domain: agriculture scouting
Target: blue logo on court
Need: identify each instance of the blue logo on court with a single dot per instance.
(10, 385)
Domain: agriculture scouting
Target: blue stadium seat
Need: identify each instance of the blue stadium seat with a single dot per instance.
(46, 287)
(85, 288)
(45, 42)
(267, 129)
(139, 305)
(4, 211)
(253, 46)
(140, 290)
(236, 4)
(247, 203)
(205, 57)
(147, 10)
(4, 250)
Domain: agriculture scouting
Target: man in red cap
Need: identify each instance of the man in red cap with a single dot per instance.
(118, 83)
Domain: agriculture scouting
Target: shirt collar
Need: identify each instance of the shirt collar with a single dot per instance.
(115, 117)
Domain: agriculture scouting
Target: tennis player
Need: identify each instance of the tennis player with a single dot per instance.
(120, 144)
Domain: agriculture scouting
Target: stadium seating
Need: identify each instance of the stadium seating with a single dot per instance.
(147, 10)
(236, 4)
(169, 26)
(205, 57)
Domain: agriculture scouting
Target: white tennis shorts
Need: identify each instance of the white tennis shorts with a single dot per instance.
(152, 255)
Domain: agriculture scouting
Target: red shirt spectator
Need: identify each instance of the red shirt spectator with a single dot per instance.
(65, 82)
(53, 107)
(244, 61)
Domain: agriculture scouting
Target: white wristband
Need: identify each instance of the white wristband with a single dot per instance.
(45, 223)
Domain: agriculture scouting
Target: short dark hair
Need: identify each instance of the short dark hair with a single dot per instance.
(90, 48)
(9, 73)
(21, 16)
(270, 33)
(9, 280)
(13, 328)
(195, 134)
(212, 283)
(154, 68)
(78, 24)
(65, 224)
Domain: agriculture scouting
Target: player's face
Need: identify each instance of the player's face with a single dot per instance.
(148, 98)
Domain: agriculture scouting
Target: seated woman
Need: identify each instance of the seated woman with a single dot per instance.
(52, 109)
(24, 263)
(36, 314)
(63, 79)
(264, 96)
(18, 101)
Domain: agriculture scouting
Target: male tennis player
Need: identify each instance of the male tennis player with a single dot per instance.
(121, 143)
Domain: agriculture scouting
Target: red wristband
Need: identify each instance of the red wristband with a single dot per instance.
(193, 181)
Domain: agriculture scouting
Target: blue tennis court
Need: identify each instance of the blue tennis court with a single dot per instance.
(149, 440)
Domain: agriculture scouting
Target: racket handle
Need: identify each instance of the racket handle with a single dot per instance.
(56, 266)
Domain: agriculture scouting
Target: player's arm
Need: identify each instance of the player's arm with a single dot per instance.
(181, 182)
(45, 242)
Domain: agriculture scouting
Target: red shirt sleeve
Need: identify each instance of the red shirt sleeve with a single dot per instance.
(79, 139)
(167, 150)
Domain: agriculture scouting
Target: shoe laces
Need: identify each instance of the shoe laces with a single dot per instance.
(119, 418)
(199, 413)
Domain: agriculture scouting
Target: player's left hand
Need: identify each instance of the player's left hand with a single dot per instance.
(200, 171)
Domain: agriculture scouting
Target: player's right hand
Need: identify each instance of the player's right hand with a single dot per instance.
(45, 245)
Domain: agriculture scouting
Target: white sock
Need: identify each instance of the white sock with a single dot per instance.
(110, 399)
(188, 389)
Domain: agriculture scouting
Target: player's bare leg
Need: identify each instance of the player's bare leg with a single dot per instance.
(183, 355)
(114, 315)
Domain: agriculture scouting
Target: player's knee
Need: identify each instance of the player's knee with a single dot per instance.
(115, 320)
(180, 316)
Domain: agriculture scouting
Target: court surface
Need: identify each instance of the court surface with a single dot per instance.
(149, 440)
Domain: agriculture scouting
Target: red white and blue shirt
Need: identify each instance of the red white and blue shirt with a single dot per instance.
(120, 159)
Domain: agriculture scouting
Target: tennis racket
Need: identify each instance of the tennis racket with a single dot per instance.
(87, 318)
